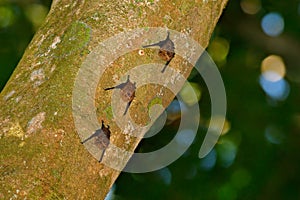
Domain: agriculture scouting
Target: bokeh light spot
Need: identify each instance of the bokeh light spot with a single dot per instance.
(166, 175)
(219, 49)
(174, 111)
(241, 178)
(191, 172)
(110, 195)
(272, 24)
(7, 17)
(209, 161)
(226, 127)
(185, 137)
(227, 192)
(36, 13)
(216, 121)
(274, 135)
(278, 90)
(187, 93)
(273, 68)
(227, 151)
(296, 120)
(250, 6)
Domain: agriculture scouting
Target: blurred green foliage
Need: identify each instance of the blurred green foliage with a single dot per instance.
(258, 157)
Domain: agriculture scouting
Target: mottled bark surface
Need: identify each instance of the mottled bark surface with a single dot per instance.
(41, 154)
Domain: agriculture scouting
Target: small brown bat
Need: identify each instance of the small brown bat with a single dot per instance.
(102, 138)
(166, 50)
(127, 92)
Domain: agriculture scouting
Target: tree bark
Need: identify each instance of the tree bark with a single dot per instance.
(41, 154)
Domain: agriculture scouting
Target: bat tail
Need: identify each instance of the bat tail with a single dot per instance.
(168, 36)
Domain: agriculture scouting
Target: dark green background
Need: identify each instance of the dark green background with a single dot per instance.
(259, 169)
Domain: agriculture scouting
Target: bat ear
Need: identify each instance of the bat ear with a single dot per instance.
(128, 77)
(168, 34)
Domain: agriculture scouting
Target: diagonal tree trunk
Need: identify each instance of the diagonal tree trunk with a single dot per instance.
(41, 154)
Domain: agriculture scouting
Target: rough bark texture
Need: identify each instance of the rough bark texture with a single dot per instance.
(41, 155)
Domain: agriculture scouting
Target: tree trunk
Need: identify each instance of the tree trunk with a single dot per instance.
(41, 154)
